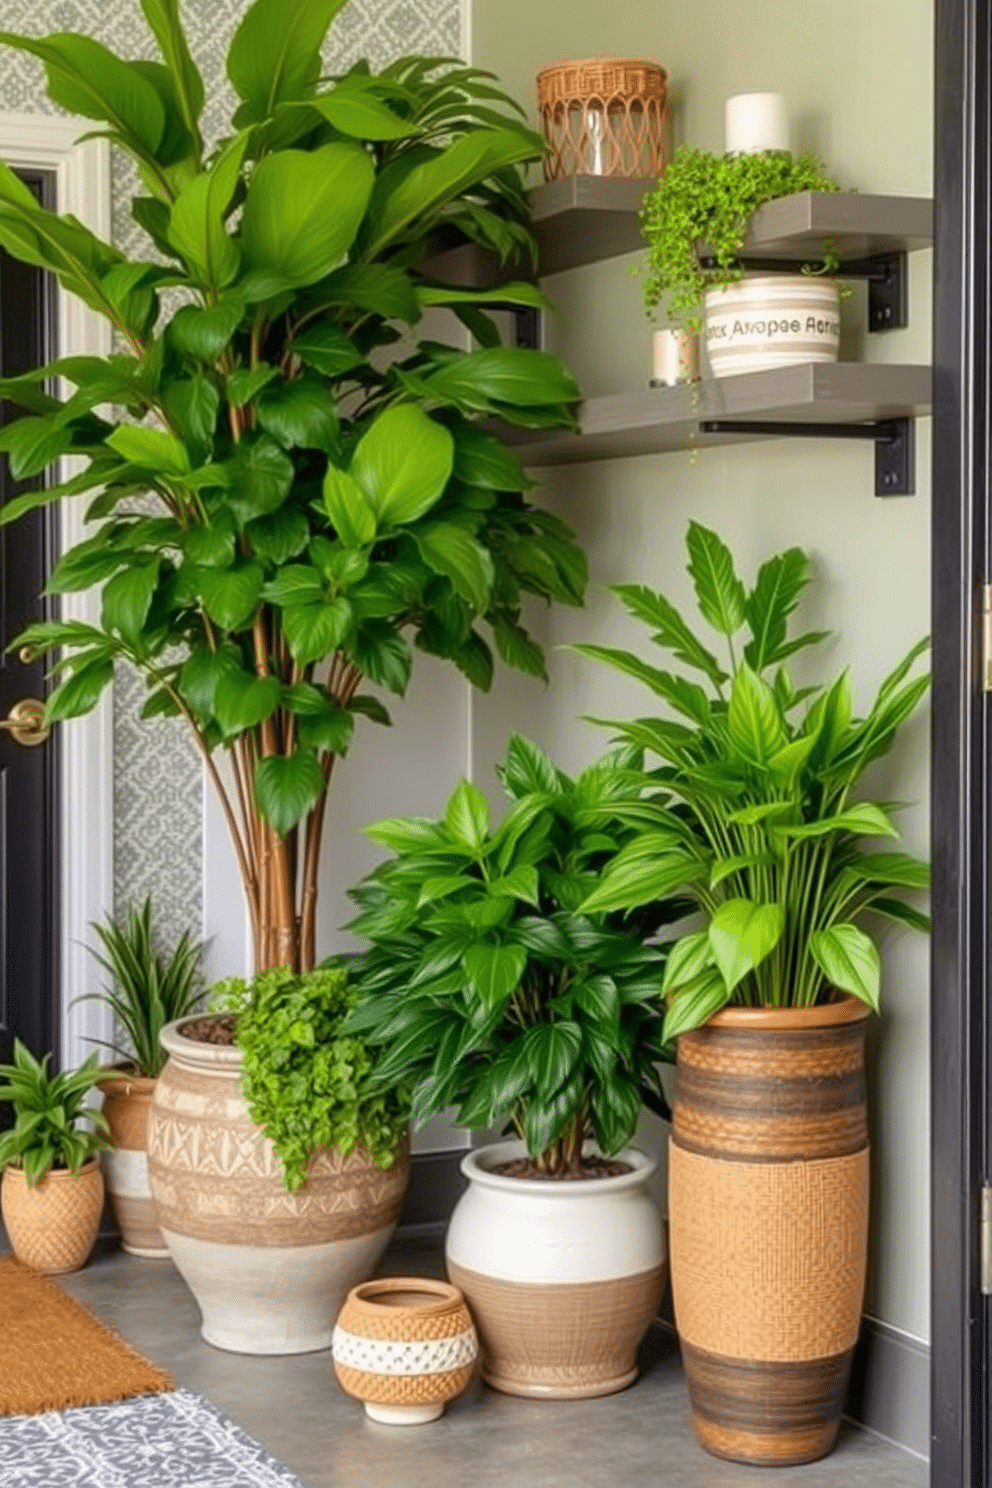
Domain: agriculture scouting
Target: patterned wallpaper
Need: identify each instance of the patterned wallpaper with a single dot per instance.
(157, 778)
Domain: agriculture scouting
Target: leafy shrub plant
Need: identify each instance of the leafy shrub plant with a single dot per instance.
(49, 1112)
(316, 509)
(707, 199)
(307, 1083)
(754, 814)
(487, 987)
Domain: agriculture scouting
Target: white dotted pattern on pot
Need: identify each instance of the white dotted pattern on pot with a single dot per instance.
(379, 1356)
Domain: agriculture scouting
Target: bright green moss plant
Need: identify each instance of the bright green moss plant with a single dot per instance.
(306, 1084)
(708, 199)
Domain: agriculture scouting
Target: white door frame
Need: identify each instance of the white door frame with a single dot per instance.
(82, 177)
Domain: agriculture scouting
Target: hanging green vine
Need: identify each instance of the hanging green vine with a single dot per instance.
(708, 198)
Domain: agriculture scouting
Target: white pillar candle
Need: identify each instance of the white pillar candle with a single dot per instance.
(756, 121)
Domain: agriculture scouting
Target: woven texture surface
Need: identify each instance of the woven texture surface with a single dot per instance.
(603, 117)
(54, 1353)
(53, 1226)
(403, 1389)
(768, 1260)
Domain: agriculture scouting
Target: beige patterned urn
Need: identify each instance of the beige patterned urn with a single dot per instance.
(269, 1268)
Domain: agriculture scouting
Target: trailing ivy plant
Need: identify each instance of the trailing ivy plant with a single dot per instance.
(317, 508)
(706, 199)
(488, 988)
(53, 1125)
(753, 814)
(308, 1085)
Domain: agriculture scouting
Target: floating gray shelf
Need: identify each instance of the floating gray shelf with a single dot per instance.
(663, 419)
(585, 219)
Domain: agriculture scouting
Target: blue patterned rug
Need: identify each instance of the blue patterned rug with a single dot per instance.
(176, 1440)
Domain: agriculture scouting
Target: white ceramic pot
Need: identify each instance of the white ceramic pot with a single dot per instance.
(771, 320)
(269, 1268)
(563, 1277)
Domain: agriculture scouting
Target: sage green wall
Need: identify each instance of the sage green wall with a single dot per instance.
(871, 120)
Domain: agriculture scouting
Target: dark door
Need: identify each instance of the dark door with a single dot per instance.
(29, 973)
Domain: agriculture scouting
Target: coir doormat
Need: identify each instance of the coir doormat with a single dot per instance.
(54, 1353)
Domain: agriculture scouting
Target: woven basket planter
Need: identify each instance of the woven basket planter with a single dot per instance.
(127, 1105)
(563, 1278)
(269, 1268)
(404, 1347)
(769, 1225)
(604, 116)
(53, 1226)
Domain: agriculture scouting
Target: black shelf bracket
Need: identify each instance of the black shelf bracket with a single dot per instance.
(895, 446)
(887, 276)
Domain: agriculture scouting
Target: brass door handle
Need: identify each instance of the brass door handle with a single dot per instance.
(26, 723)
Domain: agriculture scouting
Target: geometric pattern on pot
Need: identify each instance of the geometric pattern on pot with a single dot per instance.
(425, 1356)
(178, 1439)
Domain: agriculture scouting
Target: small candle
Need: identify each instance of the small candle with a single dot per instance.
(756, 121)
(676, 356)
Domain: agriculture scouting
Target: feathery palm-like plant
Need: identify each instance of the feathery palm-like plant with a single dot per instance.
(754, 816)
(152, 990)
(317, 507)
(48, 1110)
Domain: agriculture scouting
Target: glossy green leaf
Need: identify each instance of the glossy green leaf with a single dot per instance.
(80, 692)
(315, 631)
(450, 550)
(402, 463)
(467, 816)
(849, 960)
(352, 110)
(741, 935)
(231, 595)
(671, 630)
(301, 215)
(287, 787)
(86, 78)
(164, 19)
(348, 508)
(382, 654)
(719, 591)
(483, 460)
(213, 546)
(203, 332)
(777, 590)
(127, 599)
(299, 414)
(688, 957)
(864, 819)
(327, 349)
(494, 971)
(754, 720)
(511, 375)
(260, 478)
(279, 537)
(330, 730)
(196, 225)
(242, 700)
(275, 54)
(201, 675)
(695, 1005)
(552, 1051)
(152, 449)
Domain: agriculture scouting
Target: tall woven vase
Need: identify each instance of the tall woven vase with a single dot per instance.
(769, 1225)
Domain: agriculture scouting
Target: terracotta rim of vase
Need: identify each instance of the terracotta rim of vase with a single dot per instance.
(121, 1079)
(476, 1168)
(824, 1015)
(216, 1058)
(58, 1173)
(367, 1294)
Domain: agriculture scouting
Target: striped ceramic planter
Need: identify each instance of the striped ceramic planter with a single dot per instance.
(269, 1268)
(127, 1102)
(768, 1195)
(563, 1278)
(404, 1346)
(771, 320)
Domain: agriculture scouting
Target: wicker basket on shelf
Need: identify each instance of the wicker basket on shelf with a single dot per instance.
(604, 116)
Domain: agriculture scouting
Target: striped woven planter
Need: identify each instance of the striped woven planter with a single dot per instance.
(771, 320)
(769, 1225)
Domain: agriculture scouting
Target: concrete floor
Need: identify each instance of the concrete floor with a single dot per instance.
(486, 1440)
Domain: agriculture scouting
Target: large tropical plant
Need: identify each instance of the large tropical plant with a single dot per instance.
(485, 984)
(756, 815)
(315, 506)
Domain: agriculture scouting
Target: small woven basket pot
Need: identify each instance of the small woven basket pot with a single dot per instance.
(604, 116)
(768, 1199)
(53, 1226)
(404, 1346)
